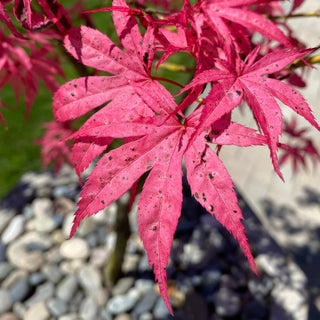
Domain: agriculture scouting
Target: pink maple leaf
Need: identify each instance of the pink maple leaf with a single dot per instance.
(299, 147)
(218, 14)
(245, 80)
(23, 63)
(54, 12)
(139, 110)
(54, 145)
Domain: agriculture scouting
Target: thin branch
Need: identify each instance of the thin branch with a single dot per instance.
(297, 15)
(300, 63)
(176, 67)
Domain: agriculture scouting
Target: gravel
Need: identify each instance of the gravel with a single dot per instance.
(46, 275)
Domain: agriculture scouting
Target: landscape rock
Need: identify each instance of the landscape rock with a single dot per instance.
(67, 288)
(75, 248)
(13, 230)
(227, 302)
(123, 303)
(42, 207)
(8, 316)
(5, 301)
(57, 307)
(20, 290)
(5, 269)
(37, 311)
(88, 309)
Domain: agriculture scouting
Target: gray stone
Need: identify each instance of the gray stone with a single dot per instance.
(160, 310)
(122, 286)
(67, 288)
(131, 263)
(35, 246)
(63, 191)
(227, 302)
(57, 307)
(42, 207)
(90, 278)
(6, 302)
(123, 316)
(88, 309)
(19, 256)
(99, 256)
(3, 252)
(20, 290)
(144, 285)
(52, 272)
(146, 316)
(13, 277)
(104, 315)
(37, 278)
(86, 227)
(146, 303)
(75, 302)
(192, 255)
(5, 269)
(75, 248)
(38, 311)
(14, 229)
(69, 316)
(92, 240)
(144, 264)
(44, 224)
(260, 287)
(123, 303)
(19, 309)
(272, 264)
(5, 218)
(211, 276)
(8, 316)
(58, 219)
(64, 206)
(43, 293)
(100, 296)
(27, 212)
(71, 266)
(67, 224)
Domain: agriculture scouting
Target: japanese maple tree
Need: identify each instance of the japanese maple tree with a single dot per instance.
(161, 134)
(157, 135)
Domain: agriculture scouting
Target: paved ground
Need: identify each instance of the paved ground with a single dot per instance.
(290, 210)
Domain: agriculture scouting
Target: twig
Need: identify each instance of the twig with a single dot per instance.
(297, 15)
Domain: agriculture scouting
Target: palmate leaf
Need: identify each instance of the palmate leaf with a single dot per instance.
(237, 11)
(136, 108)
(212, 187)
(118, 170)
(246, 81)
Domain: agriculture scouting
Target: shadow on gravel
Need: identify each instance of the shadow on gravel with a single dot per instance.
(303, 240)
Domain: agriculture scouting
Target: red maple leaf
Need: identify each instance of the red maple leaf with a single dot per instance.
(54, 145)
(299, 147)
(23, 63)
(226, 19)
(155, 141)
(239, 80)
(54, 12)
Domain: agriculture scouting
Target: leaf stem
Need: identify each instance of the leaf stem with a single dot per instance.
(297, 15)
(168, 80)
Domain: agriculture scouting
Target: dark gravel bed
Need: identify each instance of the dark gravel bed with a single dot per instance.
(43, 275)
